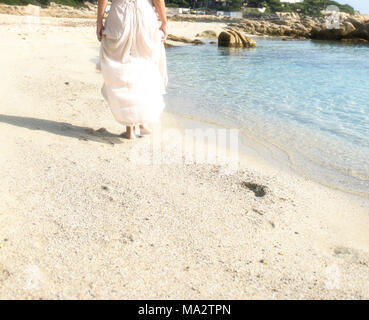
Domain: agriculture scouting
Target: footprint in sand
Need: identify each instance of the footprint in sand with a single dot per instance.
(345, 253)
(4, 274)
(258, 220)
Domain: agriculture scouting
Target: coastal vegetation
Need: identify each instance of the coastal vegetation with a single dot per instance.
(308, 7)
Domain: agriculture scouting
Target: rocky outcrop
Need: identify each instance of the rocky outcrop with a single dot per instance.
(321, 32)
(235, 39)
(355, 28)
(276, 28)
(361, 32)
(348, 30)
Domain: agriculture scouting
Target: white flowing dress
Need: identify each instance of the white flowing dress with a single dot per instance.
(133, 62)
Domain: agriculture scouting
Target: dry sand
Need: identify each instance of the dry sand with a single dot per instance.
(191, 29)
(82, 219)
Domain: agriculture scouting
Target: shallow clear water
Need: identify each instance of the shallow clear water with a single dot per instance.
(307, 100)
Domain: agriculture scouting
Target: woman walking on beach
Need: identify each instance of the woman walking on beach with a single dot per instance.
(133, 61)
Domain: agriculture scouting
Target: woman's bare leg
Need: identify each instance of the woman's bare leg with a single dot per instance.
(129, 133)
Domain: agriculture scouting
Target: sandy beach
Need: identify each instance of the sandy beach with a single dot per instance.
(82, 216)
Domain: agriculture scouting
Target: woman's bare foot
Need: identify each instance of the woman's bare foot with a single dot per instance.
(129, 133)
(144, 130)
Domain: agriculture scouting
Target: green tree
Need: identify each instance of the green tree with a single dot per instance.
(234, 4)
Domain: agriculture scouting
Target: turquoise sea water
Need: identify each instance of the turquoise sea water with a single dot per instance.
(306, 101)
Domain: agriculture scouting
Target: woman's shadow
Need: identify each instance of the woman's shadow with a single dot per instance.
(64, 129)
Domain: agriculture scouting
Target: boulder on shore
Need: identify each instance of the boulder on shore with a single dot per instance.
(235, 39)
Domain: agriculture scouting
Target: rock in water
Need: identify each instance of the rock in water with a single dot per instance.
(236, 39)
(227, 39)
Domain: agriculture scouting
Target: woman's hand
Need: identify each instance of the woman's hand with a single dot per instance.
(163, 28)
(99, 30)
(101, 6)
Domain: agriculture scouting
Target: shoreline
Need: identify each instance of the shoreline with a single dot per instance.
(252, 146)
(83, 219)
